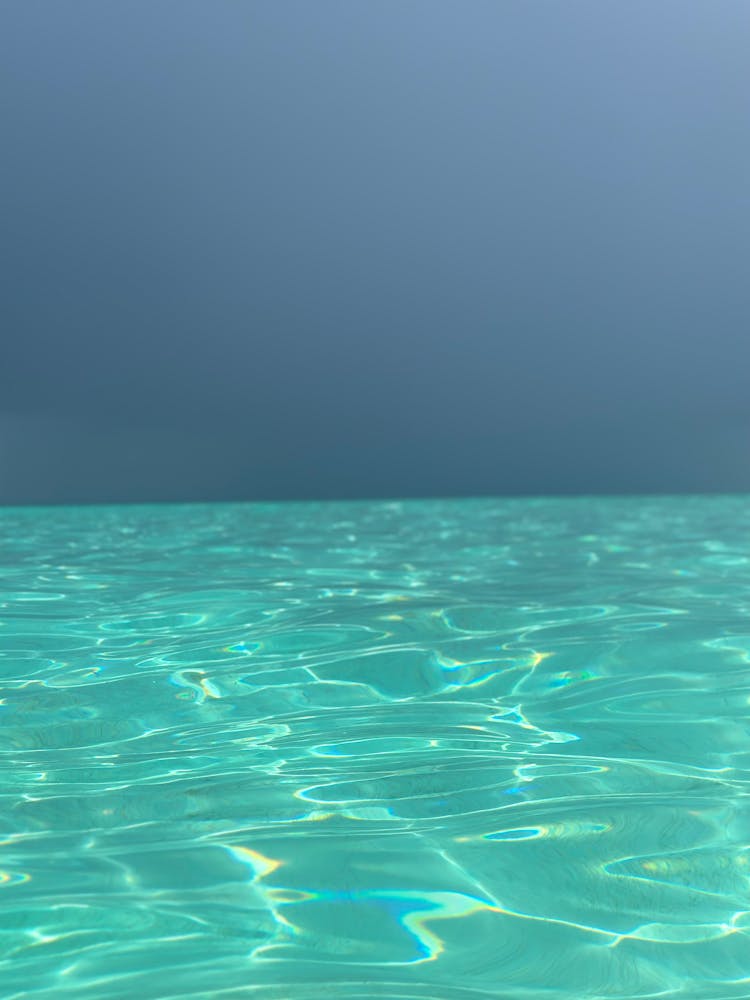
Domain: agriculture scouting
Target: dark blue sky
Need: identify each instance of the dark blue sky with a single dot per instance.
(384, 248)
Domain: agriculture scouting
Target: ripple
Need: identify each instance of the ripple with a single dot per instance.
(441, 749)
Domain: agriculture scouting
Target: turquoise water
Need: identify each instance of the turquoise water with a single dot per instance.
(447, 749)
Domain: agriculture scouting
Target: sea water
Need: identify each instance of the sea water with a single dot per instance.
(430, 749)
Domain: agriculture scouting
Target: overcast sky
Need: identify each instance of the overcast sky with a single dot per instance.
(373, 248)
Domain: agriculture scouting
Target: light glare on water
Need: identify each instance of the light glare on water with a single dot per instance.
(447, 750)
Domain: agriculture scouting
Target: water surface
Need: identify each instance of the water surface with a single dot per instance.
(447, 750)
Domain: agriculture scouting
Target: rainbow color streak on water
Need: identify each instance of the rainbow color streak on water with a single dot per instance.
(441, 750)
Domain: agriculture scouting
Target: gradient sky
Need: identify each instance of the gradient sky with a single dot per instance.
(386, 248)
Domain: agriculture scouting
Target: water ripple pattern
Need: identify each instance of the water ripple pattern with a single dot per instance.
(428, 750)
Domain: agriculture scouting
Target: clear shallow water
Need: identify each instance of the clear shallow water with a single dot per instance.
(451, 749)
